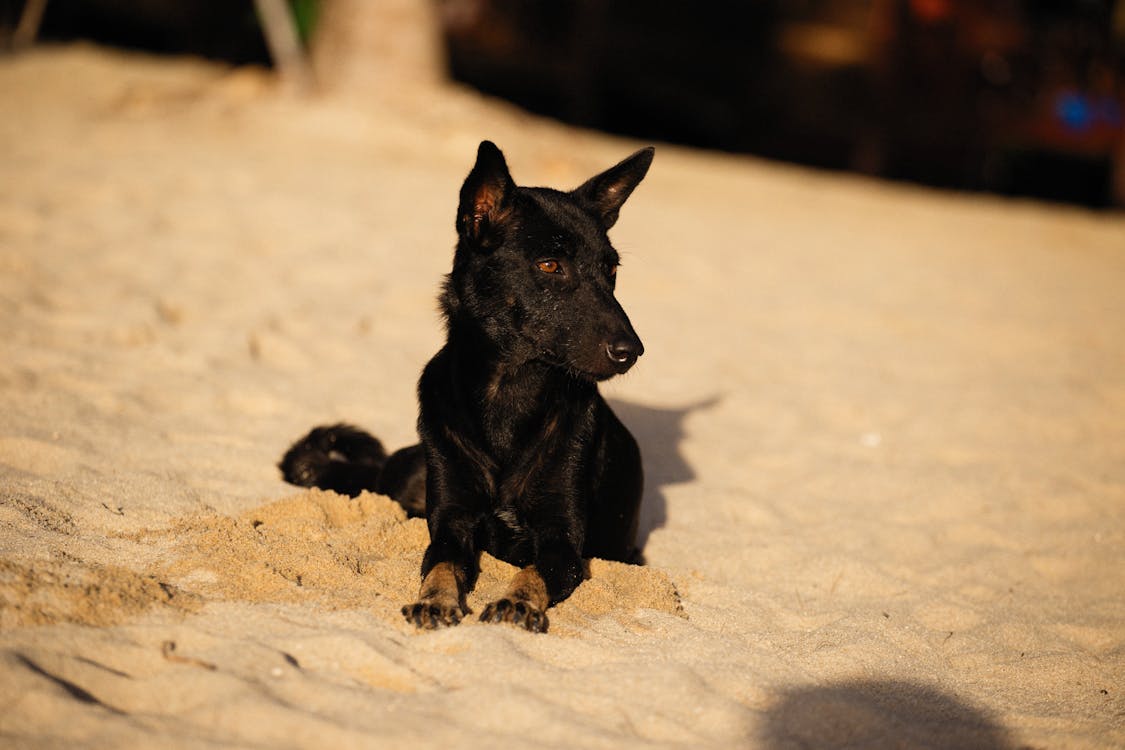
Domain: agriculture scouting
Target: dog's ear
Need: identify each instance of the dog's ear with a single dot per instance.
(486, 196)
(607, 191)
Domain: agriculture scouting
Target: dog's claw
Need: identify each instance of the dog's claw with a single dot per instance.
(431, 616)
(518, 612)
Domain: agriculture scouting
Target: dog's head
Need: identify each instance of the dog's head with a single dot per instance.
(535, 269)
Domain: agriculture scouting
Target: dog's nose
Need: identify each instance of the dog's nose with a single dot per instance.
(624, 350)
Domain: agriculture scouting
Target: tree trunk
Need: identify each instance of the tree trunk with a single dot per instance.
(363, 47)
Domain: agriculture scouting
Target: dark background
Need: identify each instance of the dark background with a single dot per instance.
(1018, 97)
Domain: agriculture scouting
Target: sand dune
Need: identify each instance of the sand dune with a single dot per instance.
(884, 432)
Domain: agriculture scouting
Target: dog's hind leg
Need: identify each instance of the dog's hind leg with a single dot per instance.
(404, 478)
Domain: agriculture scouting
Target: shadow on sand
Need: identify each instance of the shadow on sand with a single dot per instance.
(659, 433)
(880, 715)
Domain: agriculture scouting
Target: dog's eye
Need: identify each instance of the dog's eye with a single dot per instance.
(613, 272)
(548, 266)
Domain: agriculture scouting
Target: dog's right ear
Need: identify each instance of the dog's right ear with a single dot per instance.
(486, 197)
(606, 192)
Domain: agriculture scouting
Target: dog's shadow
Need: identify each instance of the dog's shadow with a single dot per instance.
(659, 433)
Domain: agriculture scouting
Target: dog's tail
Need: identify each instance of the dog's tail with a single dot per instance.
(348, 460)
(338, 457)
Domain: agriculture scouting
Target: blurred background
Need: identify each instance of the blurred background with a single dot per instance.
(1016, 97)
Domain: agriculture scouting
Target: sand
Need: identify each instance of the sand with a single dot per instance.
(884, 432)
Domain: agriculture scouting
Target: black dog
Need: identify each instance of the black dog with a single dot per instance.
(520, 455)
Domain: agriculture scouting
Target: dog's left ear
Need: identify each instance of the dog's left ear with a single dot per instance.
(486, 196)
(606, 192)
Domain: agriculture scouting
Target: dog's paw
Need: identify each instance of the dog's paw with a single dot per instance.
(430, 615)
(517, 612)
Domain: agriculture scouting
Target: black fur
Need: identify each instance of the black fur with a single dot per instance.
(340, 457)
(520, 456)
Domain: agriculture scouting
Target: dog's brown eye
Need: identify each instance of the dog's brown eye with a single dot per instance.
(548, 266)
(613, 272)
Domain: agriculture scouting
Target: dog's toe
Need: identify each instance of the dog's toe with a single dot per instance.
(517, 612)
(431, 615)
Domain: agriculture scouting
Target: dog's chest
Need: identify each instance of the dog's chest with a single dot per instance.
(515, 420)
(508, 537)
(510, 518)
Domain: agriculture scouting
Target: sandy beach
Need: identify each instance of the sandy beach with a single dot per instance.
(883, 431)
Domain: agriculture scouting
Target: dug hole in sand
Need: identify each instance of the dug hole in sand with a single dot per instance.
(883, 427)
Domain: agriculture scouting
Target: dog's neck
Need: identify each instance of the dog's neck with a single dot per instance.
(491, 369)
(509, 394)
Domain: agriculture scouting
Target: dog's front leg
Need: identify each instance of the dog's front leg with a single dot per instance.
(450, 566)
(449, 570)
(524, 604)
(555, 574)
